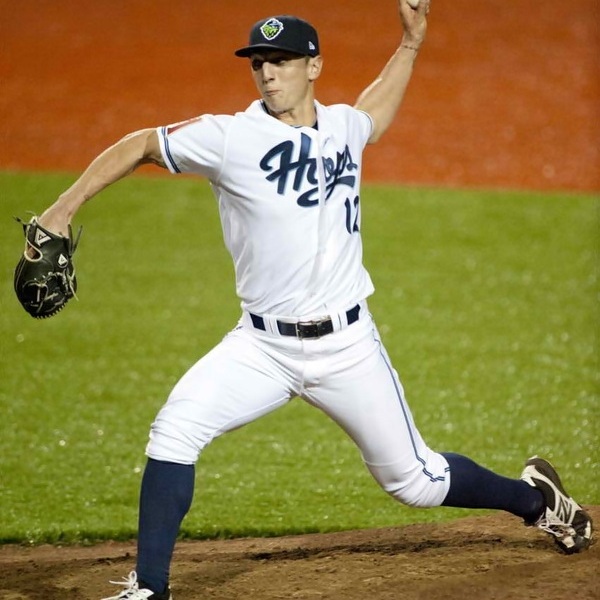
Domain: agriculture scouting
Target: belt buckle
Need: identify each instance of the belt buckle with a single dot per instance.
(314, 329)
(308, 329)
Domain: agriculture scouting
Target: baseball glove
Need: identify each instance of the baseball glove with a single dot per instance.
(45, 276)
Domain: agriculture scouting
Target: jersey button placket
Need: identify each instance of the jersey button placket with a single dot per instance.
(322, 218)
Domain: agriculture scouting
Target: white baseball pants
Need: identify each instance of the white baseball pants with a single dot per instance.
(347, 374)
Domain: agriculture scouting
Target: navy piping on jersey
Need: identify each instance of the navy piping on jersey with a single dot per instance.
(168, 151)
(412, 439)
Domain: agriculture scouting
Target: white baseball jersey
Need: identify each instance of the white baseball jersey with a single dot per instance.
(289, 203)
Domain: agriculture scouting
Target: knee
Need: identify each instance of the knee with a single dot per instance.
(164, 446)
(422, 484)
(174, 437)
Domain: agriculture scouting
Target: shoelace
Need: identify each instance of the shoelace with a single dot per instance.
(129, 582)
(556, 527)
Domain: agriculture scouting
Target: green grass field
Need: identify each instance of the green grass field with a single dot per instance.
(487, 302)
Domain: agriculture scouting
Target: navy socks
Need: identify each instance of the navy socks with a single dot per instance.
(165, 498)
(472, 486)
(168, 488)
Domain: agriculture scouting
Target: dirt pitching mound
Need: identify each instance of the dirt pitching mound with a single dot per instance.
(491, 557)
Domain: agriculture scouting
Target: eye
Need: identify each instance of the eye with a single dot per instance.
(257, 64)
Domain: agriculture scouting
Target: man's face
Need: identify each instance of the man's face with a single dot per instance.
(284, 79)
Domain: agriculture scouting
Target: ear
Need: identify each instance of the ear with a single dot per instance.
(315, 64)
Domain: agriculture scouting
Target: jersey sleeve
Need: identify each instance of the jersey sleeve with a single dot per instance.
(195, 146)
(365, 125)
(357, 123)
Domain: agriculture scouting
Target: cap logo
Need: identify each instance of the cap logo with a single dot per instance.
(271, 29)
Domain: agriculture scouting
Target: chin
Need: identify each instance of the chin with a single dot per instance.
(276, 110)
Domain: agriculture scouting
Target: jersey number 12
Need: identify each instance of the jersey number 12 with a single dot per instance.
(352, 215)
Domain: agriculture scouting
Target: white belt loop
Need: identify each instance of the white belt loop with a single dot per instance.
(271, 325)
(339, 321)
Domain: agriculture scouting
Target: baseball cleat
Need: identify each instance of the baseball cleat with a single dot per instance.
(562, 518)
(134, 590)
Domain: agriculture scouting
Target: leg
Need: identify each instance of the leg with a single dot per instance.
(472, 486)
(361, 392)
(538, 497)
(165, 498)
(370, 406)
(229, 387)
(416, 477)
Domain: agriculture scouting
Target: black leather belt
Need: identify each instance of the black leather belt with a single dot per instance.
(306, 329)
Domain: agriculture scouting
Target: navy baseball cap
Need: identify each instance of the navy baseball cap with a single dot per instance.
(284, 32)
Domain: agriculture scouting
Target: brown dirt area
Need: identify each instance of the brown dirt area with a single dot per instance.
(492, 557)
(505, 94)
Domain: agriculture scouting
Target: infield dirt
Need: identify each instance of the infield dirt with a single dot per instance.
(504, 95)
(491, 557)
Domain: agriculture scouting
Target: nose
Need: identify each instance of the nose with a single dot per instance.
(267, 71)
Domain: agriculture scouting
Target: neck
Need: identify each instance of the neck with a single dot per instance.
(305, 116)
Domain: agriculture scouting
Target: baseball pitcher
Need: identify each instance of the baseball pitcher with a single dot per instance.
(286, 175)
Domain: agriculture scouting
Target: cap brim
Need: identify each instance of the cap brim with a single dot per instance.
(250, 50)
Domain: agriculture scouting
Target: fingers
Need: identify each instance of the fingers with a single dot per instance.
(414, 20)
(420, 6)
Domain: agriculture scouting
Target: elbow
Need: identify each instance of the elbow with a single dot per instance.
(144, 147)
(375, 137)
(380, 124)
(378, 130)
